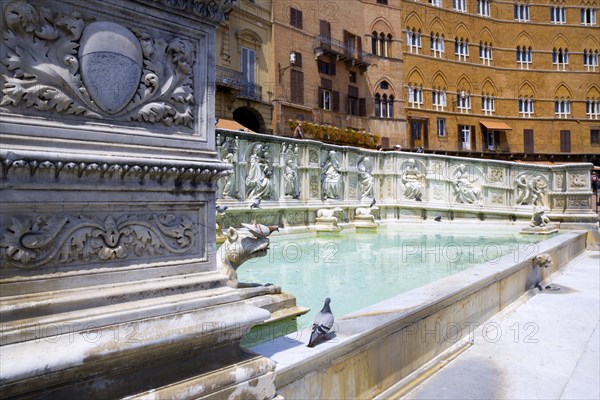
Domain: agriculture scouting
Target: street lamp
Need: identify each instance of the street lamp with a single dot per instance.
(292, 63)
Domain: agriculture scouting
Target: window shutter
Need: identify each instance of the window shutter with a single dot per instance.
(332, 67)
(325, 31)
(320, 97)
(293, 94)
(362, 107)
(292, 16)
(336, 101)
(346, 49)
(528, 140)
(352, 91)
(359, 46)
(298, 59)
(300, 87)
(299, 18)
(565, 141)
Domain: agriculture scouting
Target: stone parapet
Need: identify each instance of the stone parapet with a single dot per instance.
(298, 177)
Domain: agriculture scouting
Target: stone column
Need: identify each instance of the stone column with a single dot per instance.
(108, 276)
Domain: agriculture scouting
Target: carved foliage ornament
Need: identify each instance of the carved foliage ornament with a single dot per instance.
(212, 10)
(32, 242)
(13, 165)
(67, 64)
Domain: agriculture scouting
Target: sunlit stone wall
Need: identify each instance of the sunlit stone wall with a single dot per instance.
(292, 178)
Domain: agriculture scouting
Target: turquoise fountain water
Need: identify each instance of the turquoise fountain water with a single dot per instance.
(360, 269)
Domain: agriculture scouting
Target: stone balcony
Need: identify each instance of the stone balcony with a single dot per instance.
(326, 46)
(232, 79)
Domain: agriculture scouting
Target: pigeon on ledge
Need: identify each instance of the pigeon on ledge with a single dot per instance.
(322, 325)
(438, 218)
(260, 231)
(255, 204)
(373, 203)
(221, 209)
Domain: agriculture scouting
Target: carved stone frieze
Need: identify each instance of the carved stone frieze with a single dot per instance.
(28, 168)
(29, 243)
(314, 187)
(69, 64)
(497, 197)
(211, 10)
(438, 192)
(496, 175)
(578, 181)
(313, 157)
(578, 201)
(531, 189)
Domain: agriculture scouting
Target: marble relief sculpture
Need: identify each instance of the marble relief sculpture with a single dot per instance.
(290, 174)
(66, 64)
(464, 188)
(367, 182)
(531, 190)
(258, 180)
(332, 177)
(413, 181)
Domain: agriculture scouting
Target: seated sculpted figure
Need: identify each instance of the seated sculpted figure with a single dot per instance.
(258, 182)
(412, 180)
(464, 189)
(332, 177)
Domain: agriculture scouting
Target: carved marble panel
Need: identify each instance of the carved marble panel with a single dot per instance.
(314, 187)
(578, 182)
(69, 63)
(30, 242)
(495, 175)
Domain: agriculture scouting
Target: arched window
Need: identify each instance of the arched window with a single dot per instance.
(413, 40)
(592, 108)
(524, 57)
(381, 44)
(562, 108)
(436, 44)
(526, 106)
(485, 53)
(590, 59)
(560, 58)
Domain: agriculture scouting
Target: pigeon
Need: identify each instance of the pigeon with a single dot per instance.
(255, 204)
(418, 197)
(296, 195)
(322, 325)
(260, 231)
(438, 218)
(221, 209)
(373, 203)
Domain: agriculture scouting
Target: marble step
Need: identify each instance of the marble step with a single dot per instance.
(52, 302)
(71, 358)
(47, 326)
(36, 281)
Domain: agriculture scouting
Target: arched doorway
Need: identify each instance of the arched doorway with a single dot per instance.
(250, 118)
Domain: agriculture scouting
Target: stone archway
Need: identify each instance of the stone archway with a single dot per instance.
(250, 118)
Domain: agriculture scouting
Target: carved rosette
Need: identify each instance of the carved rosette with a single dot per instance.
(30, 243)
(67, 63)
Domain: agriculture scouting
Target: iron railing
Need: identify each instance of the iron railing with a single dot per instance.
(233, 79)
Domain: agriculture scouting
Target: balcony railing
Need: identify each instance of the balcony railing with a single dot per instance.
(233, 79)
(324, 45)
(251, 91)
(230, 78)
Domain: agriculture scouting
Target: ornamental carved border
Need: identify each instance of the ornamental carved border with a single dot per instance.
(22, 168)
(72, 64)
(212, 10)
(29, 243)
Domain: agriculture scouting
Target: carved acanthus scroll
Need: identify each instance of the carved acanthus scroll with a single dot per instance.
(67, 64)
(32, 242)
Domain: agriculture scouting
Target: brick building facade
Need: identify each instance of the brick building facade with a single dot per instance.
(455, 75)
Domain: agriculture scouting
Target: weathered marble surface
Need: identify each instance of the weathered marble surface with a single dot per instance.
(108, 278)
(405, 185)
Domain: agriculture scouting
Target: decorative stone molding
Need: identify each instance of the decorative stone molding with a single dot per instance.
(29, 243)
(445, 183)
(211, 10)
(69, 64)
(29, 167)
